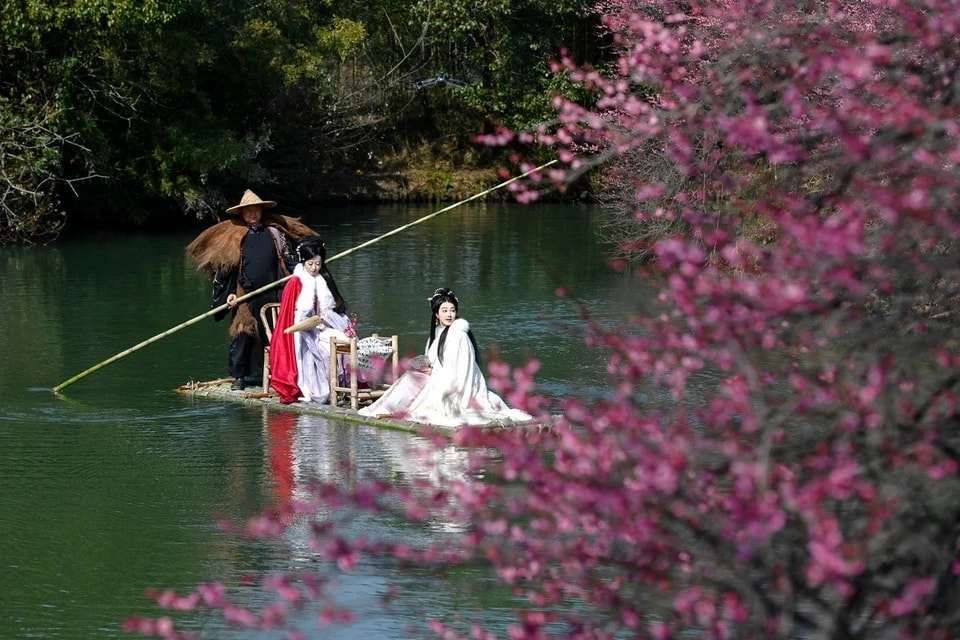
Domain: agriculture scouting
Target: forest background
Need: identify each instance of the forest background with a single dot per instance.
(118, 114)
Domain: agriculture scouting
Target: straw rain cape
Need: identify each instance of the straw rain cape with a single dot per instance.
(217, 250)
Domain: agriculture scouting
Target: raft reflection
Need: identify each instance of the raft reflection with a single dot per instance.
(304, 449)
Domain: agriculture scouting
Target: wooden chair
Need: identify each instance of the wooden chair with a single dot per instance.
(268, 317)
(348, 348)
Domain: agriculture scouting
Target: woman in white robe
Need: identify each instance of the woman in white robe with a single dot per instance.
(300, 363)
(450, 391)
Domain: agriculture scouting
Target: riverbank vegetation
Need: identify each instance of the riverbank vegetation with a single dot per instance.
(121, 113)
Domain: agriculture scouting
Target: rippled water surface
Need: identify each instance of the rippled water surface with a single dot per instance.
(116, 485)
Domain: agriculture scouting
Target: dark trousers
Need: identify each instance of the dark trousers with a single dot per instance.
(245, 358)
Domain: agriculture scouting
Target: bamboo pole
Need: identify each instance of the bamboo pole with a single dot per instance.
(246, 296)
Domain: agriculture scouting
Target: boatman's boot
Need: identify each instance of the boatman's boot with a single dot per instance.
(238, 385)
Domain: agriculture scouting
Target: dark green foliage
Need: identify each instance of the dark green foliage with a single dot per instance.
(114, 110)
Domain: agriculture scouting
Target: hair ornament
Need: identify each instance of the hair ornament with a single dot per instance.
(442, 292)
(308, 241)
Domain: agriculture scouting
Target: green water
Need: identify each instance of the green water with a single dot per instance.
(115, 486)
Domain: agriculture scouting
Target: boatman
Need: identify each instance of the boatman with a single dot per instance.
(249, 250)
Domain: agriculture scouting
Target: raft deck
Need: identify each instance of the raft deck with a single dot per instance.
(255, 396)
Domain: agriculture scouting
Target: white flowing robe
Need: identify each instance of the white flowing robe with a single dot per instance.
(454, 393)
(313, 345)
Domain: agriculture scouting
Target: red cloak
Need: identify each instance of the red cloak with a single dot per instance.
(283, 350)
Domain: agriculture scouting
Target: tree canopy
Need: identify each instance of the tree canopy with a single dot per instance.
(117, 112)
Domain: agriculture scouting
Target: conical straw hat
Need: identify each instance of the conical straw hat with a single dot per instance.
(250, 198)
(306, 323)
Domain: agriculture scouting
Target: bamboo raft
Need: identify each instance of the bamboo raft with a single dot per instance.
(255, 396)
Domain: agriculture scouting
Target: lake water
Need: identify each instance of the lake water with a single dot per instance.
(115, 486)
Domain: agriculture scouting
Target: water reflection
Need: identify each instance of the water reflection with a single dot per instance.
(304, 449)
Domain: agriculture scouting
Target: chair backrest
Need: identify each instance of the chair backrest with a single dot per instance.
(268, 316)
